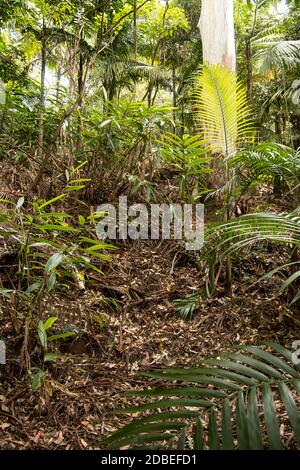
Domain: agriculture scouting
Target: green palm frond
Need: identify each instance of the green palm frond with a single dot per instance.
(266, 162)
(235, 400)
(221, 109)
(272, 55)
(246, 231)
(186, 307)
(249, 229)
(180, 151)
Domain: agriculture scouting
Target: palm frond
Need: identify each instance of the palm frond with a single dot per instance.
(272, 55)
(266, 162)
(221, 109)
(248, 230)
(234, 400)
(187, 306)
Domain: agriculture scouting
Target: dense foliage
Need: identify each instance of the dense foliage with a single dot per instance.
(99, 99)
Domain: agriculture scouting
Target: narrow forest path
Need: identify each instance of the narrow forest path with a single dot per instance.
(73, 409)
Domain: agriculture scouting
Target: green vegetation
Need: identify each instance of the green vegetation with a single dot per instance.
(102, 99)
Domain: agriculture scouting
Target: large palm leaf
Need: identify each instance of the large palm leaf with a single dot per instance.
(273, 55)
(266, 162)
(233, 400)
(244, 232)
(221, 108)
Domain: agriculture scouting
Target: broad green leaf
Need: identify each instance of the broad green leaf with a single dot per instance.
(53, 262)
(42, 334)
(37, 285)
(49, 322)
(20, 203)
(60, 336)
(37, 380)
(6, 292)
(50, 281)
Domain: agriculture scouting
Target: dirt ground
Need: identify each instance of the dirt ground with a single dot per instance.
(111, 345)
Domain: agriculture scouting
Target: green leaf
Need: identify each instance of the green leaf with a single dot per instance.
(271, 418)
(37, 285)
(265, 368)
(51, 201)
(57, 228)
(198, 436)
(197, 378)
(227, 435)
(241, 424)
(42, 334)
(275, 361)
(52, 357)
(213, 437)
(254, 433)
(166, 404)
(60, 336)
(37, 380)
(53, 262)
(6, 292)
(20, 203)
(49, 322)
(292, 410)
(75, 187)
(50, 281)
(179, 392)
(182, 440)
(81, 220)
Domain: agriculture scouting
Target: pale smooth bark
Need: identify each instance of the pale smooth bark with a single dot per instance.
(217, 32)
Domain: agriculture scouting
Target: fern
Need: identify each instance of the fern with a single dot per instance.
(234, 400)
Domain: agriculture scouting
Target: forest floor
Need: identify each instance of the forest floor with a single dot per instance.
(73, 409)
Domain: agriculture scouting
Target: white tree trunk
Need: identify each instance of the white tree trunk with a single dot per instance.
(217, 31)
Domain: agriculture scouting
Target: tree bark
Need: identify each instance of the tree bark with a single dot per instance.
(80, 95)
(249, 57)
(40, 141)
(217, 32)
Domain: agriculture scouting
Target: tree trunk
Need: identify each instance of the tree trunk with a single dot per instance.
(218, 42)
(217, 32)
(174, 96)
(40, 141)
(80, 94)
(249, 57)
